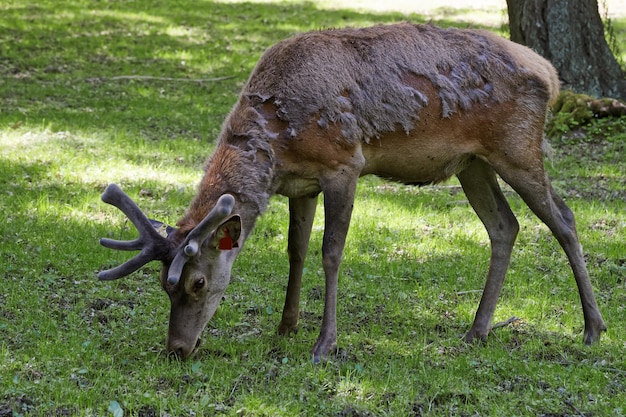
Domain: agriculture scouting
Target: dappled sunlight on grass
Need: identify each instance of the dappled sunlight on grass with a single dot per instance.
(93, 161)
(486, 14)
(136, 17)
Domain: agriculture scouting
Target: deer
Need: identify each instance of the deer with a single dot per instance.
(412, 103)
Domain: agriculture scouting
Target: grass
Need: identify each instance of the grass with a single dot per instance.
(413, 268)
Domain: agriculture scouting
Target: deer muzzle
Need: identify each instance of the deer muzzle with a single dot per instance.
(181, 349)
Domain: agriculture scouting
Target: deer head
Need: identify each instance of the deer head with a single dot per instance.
(196, 267)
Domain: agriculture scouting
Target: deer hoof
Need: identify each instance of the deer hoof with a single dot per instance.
(322, 350)
(287, 329)
(593, 333)
(475, 337)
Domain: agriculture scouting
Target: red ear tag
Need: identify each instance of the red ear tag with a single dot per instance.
(226, 243)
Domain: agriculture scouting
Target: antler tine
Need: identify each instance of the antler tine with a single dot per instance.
(223, 208)
(126, 268)
(198, 234)
(153, 246)
(116, 197)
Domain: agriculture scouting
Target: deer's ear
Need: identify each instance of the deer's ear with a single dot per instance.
(163, 229)
(227, 234)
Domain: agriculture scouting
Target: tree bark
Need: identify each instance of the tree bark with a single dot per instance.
(570, 34)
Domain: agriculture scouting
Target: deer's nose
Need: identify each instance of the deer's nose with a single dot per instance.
(181, 351)
(177, 350)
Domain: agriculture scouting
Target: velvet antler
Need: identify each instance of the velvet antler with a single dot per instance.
(153, 246)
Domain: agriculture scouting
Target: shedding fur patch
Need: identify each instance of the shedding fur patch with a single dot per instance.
(357, 77)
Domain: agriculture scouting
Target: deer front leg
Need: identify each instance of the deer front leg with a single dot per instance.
(483, 192)
(338, 203)
(301, 215)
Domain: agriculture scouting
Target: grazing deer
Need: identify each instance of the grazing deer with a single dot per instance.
(412, 103)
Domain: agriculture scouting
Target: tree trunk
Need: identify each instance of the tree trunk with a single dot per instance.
(570, 34)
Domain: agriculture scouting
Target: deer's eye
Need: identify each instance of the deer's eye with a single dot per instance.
(199, 284)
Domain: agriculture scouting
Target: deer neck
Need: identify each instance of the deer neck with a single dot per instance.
(244, 170)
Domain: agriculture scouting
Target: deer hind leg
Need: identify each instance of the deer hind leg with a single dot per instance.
(528, 178)
(301, 216)
(483, 192)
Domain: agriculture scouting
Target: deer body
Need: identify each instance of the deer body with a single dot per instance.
(415, 104)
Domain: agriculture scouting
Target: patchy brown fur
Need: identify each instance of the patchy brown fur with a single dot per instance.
(361, 78)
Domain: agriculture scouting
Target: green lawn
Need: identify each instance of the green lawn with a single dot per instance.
(134, 92)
